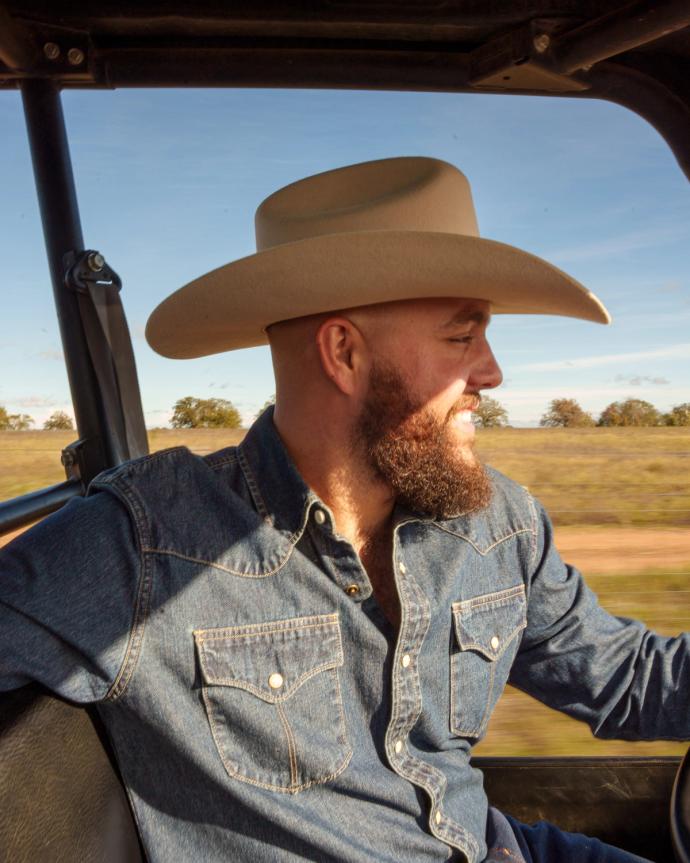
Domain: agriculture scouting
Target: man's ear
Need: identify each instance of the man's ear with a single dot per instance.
(342, 352)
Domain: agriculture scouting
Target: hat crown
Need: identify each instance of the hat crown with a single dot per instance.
(378, 232)
(412, 193)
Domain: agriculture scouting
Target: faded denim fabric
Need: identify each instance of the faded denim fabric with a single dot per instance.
(261, 706)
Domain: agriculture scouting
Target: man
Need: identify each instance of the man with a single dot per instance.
(295, 643)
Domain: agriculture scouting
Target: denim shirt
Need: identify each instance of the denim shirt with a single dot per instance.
(260, 705)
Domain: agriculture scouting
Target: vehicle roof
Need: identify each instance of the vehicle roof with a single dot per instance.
(637, 55)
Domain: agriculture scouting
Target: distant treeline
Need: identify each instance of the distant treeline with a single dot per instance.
(567, 413)
(190, 413)
(23, 422)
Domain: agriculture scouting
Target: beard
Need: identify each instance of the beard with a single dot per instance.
(414, 452)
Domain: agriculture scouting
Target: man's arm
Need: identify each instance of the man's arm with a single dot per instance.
(613, 673)
(68, 593)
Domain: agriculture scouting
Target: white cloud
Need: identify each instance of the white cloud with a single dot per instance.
(620, 245)
(671, 352)
(641, 380)
(36, 402)
(672, 286)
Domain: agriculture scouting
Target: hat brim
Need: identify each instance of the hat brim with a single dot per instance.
(230, 308)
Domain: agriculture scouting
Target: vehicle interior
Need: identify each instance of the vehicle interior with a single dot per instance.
(60, 791)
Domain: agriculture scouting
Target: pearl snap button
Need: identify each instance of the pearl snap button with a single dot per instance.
(437, 818)
(398, 746)
(352, 589)
(275, 681)
(495, 641)
(406, 660)
(402, 567)
(319, 516)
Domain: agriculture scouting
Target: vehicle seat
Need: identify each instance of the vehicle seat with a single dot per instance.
(61, 797)
(680, 812)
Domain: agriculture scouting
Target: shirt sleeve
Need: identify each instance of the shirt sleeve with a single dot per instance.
(622, 679)
(68, 593)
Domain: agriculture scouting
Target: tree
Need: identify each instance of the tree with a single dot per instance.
(192, 413)
(14, 422)
(679, 415)
(566, 413)
(59, 421)
(631, 412)
(490, 414)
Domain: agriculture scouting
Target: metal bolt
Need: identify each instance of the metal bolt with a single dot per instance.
(75, 56)
(51, 50)
(96, 262)
(541, 43)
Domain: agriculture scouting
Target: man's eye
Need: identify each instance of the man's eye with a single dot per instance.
(463, 340)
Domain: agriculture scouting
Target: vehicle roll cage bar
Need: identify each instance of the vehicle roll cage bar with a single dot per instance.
(636, 54)
(96, 343)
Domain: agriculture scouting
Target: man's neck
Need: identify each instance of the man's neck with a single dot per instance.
(360, 501)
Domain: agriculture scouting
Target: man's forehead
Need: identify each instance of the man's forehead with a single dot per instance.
(444, 312)
(472, 312)
(438, 312)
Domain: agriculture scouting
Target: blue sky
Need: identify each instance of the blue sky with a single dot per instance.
(168, 182)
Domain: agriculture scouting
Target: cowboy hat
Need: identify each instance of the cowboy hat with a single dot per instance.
(392, 229)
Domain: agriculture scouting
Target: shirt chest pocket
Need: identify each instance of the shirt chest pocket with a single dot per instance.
(273, 700)
(486, 638)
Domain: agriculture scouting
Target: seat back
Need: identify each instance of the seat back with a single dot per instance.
(60, 794)
(680, 812)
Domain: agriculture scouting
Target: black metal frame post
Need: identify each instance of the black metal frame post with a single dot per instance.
(102, 428)
(62, 233)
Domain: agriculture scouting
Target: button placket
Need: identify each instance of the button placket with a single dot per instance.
(341, 563)
(405, 679)
(406, 708)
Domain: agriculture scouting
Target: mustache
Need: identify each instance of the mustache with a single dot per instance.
(466, 402)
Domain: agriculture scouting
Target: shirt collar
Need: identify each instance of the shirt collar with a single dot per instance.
(280, 494)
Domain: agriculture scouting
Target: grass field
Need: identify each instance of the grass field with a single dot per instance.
(31, 460)
(637, 477)
(620, 499)
(623, 476)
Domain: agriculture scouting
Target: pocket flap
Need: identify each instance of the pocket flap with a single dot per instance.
(489, 623)
(271, 660)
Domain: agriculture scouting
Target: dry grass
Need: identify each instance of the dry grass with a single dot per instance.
(31, 460)
(634, 477)
(624, 476)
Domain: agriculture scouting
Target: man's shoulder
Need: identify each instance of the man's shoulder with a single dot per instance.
(196, 506)
(510, 512)
(175, 465)
(506, 491)
(174, 495)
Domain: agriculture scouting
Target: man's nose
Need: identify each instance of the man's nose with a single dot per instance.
(487, 375)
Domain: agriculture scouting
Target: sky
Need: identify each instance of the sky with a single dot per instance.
(168, 182)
